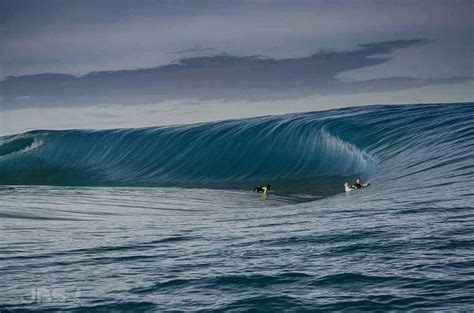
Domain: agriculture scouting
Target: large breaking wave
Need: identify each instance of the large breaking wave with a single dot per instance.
(294, 151)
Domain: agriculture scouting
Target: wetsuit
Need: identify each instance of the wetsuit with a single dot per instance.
(261, 189)
(356, 186)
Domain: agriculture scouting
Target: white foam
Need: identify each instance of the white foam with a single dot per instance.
(37, 142)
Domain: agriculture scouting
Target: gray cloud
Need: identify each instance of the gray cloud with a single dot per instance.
(251, 78)
(82, 36)
(196, 48)
(188, 104)
(103, 115)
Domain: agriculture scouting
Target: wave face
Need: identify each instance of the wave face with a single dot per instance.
(294, 150)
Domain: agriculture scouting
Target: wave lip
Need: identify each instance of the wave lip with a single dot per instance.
(19, 144)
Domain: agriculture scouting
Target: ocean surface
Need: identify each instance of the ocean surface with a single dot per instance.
(164, 219)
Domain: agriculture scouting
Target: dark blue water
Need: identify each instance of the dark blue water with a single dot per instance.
(163, 219)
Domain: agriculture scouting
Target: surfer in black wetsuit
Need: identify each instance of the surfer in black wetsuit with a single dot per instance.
(357, 184)
(262, 189)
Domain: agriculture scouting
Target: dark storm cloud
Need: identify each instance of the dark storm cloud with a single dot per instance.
(225, 77)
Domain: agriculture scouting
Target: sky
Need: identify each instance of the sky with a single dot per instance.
(111, 64)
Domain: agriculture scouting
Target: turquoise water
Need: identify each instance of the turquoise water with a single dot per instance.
(163, 219)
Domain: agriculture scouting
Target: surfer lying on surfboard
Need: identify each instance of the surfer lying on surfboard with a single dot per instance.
(262, 189)
(357, 185)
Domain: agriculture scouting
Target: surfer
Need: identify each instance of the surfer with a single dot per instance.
(357, 185)
(262, 189)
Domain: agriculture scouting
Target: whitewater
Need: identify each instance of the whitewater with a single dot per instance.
(164, 218)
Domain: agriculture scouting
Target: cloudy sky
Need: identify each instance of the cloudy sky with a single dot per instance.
(107, 64)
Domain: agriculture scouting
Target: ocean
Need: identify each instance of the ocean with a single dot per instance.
(164, 218)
